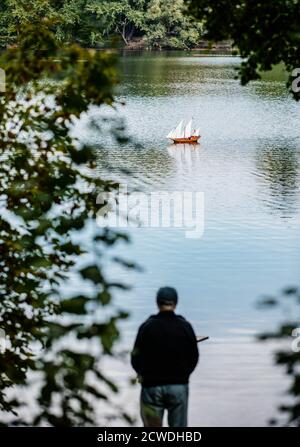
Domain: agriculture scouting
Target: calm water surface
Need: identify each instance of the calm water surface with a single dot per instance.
(247, 165)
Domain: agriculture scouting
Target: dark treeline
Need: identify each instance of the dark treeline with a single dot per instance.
(92, 23)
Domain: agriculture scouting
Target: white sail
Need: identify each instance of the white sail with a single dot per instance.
(188, 129)
(183, 131)
(178, 130)
(171, 134)
(175, 133)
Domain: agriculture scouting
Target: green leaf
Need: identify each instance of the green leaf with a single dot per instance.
(76, 305)
(92, 273)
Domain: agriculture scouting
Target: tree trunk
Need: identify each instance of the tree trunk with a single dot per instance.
(124, 32)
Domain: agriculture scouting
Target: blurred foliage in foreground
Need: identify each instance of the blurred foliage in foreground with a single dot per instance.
(289, 330)
(266, 33)
(48, 189)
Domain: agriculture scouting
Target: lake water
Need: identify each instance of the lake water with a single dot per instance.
(247, 166)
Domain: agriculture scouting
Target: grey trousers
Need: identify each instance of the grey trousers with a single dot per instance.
(156, 399)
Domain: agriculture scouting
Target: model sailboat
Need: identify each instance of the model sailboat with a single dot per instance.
(184, 134)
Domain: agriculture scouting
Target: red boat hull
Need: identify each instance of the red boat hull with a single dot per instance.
(191, 140)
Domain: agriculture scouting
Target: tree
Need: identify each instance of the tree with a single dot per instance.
(167, 25)
(265, 32)
(14, 14)
(290, 358)
(162, 24)
(77, 24)
(120, 16)
(71, 21)
(48, 189)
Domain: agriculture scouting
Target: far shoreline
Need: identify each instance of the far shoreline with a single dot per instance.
(205, 48)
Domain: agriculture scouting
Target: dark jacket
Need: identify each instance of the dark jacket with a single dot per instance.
(165, 350)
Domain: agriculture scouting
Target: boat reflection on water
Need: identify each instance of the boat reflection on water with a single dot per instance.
(186, 155)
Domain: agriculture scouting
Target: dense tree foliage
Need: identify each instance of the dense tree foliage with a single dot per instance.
(91, 22)
(290, 356)
(266, 32)
(167, 24)
(70, 19)
(124, 17)
(161, 23)
(48, 189)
